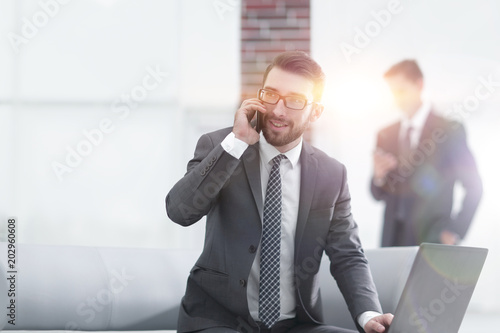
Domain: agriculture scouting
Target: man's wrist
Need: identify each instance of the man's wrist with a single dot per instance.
(234, 146)
(365, 317)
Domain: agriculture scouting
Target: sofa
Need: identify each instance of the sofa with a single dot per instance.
(137, 289)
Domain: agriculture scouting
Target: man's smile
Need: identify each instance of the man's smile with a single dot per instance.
(277, 124)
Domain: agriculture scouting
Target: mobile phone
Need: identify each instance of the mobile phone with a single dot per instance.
(258, 126)
(259, 117)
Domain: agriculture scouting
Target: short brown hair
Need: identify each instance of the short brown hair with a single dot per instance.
(301, 63)
(409, 68)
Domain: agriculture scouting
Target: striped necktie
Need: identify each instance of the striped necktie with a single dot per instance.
(269, 285)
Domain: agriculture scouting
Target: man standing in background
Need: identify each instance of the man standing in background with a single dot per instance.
(417, 163)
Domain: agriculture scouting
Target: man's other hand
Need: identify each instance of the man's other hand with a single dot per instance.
(242, 128)
(383, 163)
(449, 238)
(379, 324)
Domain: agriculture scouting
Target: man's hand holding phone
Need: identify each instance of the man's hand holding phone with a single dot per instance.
(383, 163)
(242, 127)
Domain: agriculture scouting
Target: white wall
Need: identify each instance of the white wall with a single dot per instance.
(456, 43)
(67, 77)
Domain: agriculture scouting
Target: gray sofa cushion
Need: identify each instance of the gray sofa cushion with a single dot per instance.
(100, 288)
(96, 288)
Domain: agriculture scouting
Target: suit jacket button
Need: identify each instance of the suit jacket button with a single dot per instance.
(252, 249)
(203, 172)
(214, 159)
(243, 283)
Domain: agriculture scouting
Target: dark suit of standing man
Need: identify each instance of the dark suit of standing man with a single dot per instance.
(417, 163)
(226, 180)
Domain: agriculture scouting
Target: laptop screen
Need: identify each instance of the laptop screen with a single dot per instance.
(438, 289)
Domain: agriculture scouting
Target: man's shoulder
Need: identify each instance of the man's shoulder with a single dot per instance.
(219, 135)
(434, 119)
(438, 120)
(323, 158)
(390, 129)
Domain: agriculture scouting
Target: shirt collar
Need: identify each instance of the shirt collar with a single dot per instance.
(268, 151)
(419, 118)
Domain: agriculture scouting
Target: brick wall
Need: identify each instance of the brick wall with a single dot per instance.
(269, 28)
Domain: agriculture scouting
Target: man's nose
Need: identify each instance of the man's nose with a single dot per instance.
(280, 108)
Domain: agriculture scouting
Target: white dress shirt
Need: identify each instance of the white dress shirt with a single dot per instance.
(290, 182)
(417, 123)
(290, 191)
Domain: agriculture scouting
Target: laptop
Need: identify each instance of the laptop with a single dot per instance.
(438, 290)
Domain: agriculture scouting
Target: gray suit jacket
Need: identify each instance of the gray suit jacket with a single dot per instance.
(228, 192)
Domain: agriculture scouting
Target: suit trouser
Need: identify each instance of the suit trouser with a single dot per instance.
(404, 235)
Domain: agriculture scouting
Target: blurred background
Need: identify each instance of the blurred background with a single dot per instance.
(102, 102)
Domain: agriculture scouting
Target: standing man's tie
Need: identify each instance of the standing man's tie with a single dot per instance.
(405, 144)
(269, 286)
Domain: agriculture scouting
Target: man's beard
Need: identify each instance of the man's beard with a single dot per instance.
(282, 139)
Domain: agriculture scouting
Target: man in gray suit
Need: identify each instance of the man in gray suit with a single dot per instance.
(274, 205)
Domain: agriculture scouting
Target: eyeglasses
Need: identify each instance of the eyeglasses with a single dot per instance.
(291, 102)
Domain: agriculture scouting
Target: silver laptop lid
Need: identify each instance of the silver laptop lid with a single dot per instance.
(438, 289)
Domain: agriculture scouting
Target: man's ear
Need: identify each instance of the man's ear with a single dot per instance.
(317, 110)
(420, 83)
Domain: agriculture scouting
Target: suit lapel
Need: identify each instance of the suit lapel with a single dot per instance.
(251, 162)
(309, 168)
(392, 139)
(427, 129)
(308, 173)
